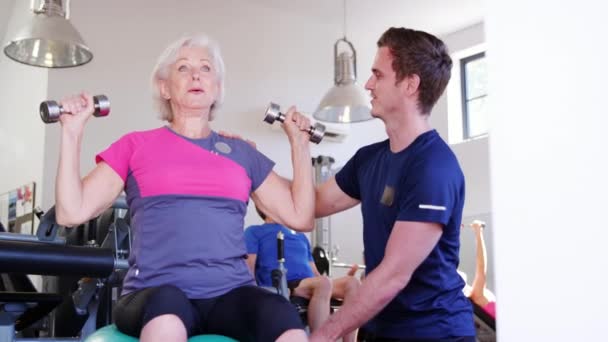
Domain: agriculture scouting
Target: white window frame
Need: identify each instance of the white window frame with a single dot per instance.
(455, 97)
(465, 101)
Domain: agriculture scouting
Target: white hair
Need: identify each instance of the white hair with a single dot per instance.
(169, 56)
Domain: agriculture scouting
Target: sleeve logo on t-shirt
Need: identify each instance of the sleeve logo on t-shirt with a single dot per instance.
(431, 207)
(388, 196)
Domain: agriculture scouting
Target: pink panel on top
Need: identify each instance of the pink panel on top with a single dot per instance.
(163, 163)
(117, 156)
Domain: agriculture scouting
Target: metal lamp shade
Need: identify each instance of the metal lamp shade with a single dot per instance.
(344, 104)
(50, 42)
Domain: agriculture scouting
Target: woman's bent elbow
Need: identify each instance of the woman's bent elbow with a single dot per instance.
(65, 219)
(304, 225)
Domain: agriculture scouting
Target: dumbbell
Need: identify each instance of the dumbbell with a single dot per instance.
(51, 110)
(273, 113)
(480, 222)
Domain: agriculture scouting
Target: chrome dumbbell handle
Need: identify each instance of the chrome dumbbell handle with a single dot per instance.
(273, 113)
(51, 110)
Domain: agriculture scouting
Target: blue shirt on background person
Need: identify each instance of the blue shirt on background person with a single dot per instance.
(262, 241)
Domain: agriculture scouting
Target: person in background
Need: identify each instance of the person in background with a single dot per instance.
(478, 291)
(303, 278)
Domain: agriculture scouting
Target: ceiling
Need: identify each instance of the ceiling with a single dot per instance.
(437, 16)
(365, 19)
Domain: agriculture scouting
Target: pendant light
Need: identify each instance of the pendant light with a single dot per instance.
(346, 101)
(49, 40)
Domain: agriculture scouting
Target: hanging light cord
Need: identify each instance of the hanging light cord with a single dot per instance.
(344, 20)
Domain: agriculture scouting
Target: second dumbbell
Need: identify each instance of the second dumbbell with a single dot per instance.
(273, 114)
(51, 110)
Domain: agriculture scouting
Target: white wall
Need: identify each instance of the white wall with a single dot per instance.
(474, 161)
(6, 10)
(472, 155)
(21, 131)
(548, 72)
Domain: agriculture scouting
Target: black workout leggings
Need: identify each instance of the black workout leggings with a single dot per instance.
(247, 313)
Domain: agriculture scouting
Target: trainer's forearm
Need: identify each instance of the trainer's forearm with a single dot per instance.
(375, 292)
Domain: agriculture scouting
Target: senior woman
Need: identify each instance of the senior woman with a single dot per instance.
(188, 188)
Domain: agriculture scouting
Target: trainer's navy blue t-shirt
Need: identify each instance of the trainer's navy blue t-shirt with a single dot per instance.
(422, 183)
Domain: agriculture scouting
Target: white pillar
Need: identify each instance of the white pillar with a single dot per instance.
(548, 67)
(22, 87)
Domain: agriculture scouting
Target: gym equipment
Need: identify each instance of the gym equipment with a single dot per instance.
(321, 260)
(485, 325)
(111, 334)
(345, 265)
(52, 259)
(480, 222)
(51, 110)
(273, 114)
(18, 310)
(325, 252)
(87, 302)
(279, 283)
(24, 313)
(279, 276)
(321, 237)
(75, 313)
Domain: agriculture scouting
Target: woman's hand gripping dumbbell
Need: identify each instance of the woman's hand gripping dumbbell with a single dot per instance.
(50, 111)
(273, 114)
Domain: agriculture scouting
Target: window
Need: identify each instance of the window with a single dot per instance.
(467, 95)
(474, 90)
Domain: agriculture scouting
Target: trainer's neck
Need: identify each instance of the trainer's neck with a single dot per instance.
(402, 134)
